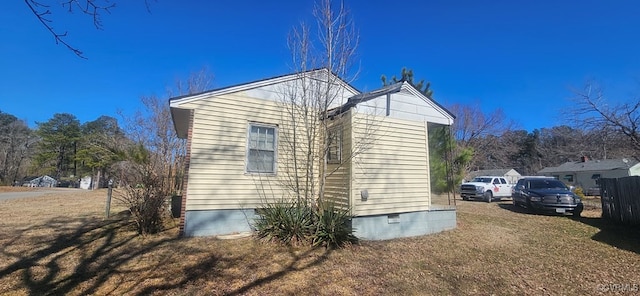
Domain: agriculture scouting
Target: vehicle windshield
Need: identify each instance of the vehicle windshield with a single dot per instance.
(546, 184)
(482, 180)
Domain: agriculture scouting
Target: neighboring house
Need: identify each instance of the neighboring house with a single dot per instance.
(386, 186)
(85, 182)
(511, 175)
(586, 173)
(42, 181)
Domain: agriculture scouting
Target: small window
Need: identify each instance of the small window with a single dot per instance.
(596, 177)
(496, 181)
(569, 178)
(334, 145)
(503, 181)
(261, 148)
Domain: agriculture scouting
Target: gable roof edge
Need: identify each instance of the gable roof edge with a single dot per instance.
(179, 100)
(408, 86)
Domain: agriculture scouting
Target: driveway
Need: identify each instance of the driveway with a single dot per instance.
(36, 193)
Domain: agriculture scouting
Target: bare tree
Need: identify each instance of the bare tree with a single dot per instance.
(142, 189)
(155, 164)
(593, 112)
(311, 134)
(306, 127)
(198, 81)
(476, 130)
(472, 123)
(153, 128)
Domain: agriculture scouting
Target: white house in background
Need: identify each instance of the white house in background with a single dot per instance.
(85, 182)
(586, 173)
(386, 187)
(42, 181)
(511, 175)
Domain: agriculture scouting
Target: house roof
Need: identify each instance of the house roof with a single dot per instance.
(180, 115)
(389, 89)
(591, 165)
(492, 172)
(254, 84)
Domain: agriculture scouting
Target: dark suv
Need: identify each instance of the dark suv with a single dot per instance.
(546, 195)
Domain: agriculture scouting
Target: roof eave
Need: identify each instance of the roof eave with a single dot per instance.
(181, 121)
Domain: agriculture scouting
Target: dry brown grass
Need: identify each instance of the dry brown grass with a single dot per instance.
(62, 244)
(17, 189)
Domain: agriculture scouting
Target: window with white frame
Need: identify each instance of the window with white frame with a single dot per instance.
(261, 148)
(334, 145)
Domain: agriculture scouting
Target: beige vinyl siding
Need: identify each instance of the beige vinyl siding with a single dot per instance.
(217, 177)
(394, 169)
(339, 175)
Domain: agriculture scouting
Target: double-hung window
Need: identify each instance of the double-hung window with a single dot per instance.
(261, 148)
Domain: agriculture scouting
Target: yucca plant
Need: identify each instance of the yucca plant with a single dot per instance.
(333, 227)
(285, 221)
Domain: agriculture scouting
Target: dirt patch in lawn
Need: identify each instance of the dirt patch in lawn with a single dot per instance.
(63, 244)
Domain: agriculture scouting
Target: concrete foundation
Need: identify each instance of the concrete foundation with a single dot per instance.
(378, 227)
(381, 227)
(218, 222)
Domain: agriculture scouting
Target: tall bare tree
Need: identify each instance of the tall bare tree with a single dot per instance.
(594, 112)
(476, 129)
(155, 164)
(307, 133)
(152, 127)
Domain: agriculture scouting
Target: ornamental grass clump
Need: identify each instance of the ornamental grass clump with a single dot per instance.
(289, 222)
(292, 222)
(333, 227)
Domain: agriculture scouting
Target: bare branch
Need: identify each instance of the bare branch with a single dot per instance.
(41, 16)
(92, 8)
(593, 112)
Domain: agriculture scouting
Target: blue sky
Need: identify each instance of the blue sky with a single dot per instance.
(521, 56)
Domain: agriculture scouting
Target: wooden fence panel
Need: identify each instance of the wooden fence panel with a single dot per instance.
(621, 199)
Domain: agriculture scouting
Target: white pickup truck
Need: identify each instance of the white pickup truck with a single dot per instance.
(486, 187)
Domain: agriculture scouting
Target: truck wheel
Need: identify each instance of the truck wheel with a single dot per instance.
(488, 196)
(465, 198)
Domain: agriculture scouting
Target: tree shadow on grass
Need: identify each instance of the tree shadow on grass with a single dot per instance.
(297, 264)
(90, 255)
(621, 236)
(79, 255)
